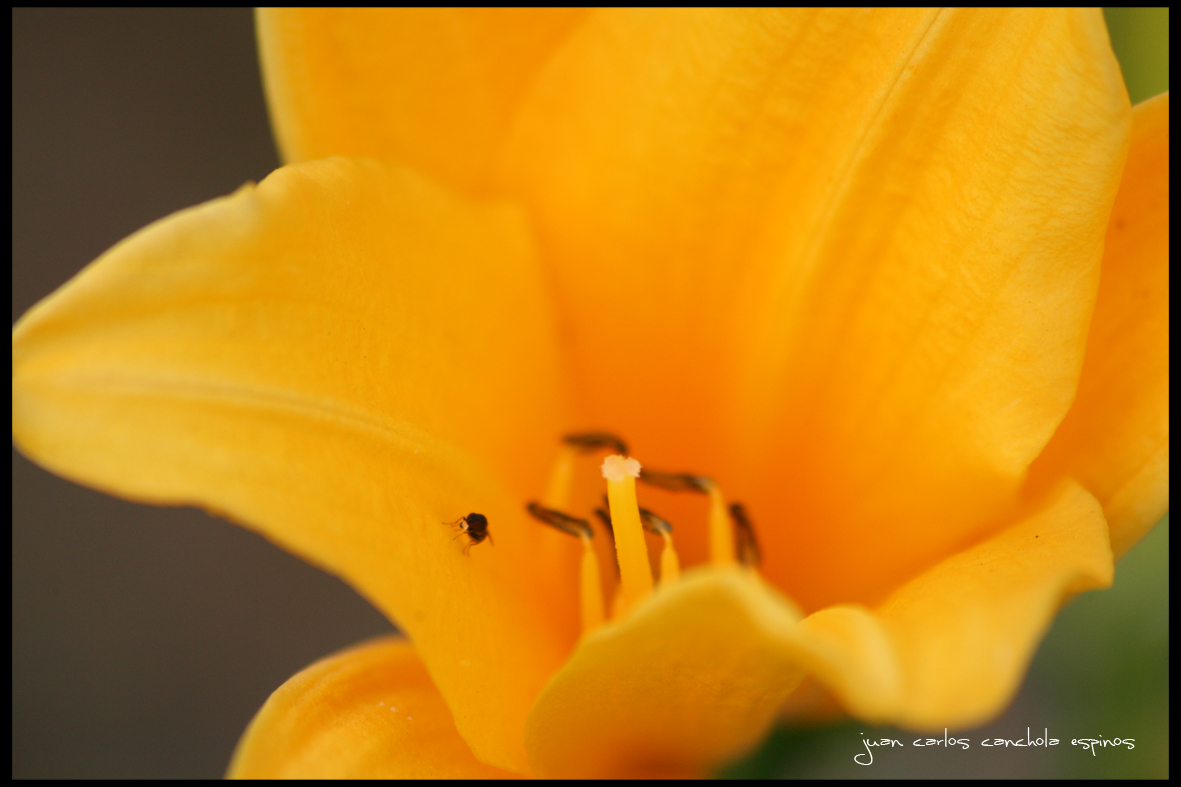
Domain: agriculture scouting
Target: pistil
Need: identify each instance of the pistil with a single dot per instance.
(635, 577)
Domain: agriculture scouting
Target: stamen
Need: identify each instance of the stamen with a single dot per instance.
(744, 536)
(592, 441)
(591, 587)
(575, 526)
(557, 491)
(721, 537)
(670, 564)
(676, 482)
(654, 523)
(721, 540)
(635, 577)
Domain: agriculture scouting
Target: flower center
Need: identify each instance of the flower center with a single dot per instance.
(626, 521)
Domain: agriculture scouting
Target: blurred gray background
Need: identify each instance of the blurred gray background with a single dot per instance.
(144, 639)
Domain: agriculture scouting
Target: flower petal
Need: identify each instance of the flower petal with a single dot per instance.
(343, 358)
(1115, 439)
(368, 712)
(692, 677)
(865, 243)
(950, 648)
(965, 631)
(434, 88)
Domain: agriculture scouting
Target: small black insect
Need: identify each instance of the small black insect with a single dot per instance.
(592, 441)
(475, 527)
(746, 545)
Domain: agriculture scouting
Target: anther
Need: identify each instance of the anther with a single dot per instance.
(654, 523)
(575, 526)
(676, 482)
(670, 564)
(557, 490)
(721, 541)
(589, 442)
(591, 586)
(746, 545)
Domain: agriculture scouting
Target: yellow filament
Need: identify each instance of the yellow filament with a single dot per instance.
(592, 589)
(721, 538)
(635, 576)
(670, 565)
(557, 492)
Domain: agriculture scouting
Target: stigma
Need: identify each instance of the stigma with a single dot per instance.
(625, 522)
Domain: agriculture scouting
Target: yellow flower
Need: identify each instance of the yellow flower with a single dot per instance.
(846, 264)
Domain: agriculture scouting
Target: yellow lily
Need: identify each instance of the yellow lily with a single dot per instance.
(846, 264)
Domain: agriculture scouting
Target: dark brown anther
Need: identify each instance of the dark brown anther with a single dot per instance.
(654, 523)
(565, 522)
(676, 482)
(745, 543)
(588, 442)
